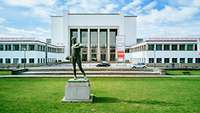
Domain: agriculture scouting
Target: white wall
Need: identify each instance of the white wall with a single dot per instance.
(164, 54)
(57, 30)
(130, 29)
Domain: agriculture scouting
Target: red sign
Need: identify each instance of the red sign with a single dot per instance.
(121, 55)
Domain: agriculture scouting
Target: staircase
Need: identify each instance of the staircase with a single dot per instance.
(89, 71)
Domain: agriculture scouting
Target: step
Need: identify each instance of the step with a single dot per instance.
(91, 73)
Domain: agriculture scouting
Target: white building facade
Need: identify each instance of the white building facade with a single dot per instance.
(101, 34)
(22, 50)
(164, 51)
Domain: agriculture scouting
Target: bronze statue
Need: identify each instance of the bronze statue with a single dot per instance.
(76, 57)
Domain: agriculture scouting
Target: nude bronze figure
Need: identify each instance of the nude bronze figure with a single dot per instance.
(76, 57)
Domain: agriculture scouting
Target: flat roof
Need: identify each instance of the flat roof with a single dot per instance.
(24, 39)
(95, 14)
(174, 39)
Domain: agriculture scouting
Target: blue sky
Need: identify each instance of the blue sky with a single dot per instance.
(156, 18)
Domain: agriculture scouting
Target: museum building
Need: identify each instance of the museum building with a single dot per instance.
(164, 51)
(21, 50)
(103, 35)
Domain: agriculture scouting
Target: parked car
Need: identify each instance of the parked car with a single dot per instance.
(138, 65)
(103, 64)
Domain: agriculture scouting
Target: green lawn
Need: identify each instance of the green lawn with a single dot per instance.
(183, 72)
(113, 95)
(5, 72)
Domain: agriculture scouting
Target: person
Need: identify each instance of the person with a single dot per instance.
(76, 57)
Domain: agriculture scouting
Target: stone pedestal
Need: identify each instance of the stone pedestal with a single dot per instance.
(77, 90)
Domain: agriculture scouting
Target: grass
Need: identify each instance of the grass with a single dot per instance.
(5, 72)
(113, 95)
(183, 72)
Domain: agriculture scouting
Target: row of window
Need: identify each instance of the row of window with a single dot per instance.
(29, 47)
(24, 60)
(166, 47)
(173, 47)
(103, 37)
(174, 60)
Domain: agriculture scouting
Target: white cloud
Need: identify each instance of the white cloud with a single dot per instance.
(29, 3)
(149, 6)
(16, 32)
(109, 8)
(133, 7)
(168, 15)
(196, 3)
(2, 20)
(181, 30)
(90, 5)
(26, 3)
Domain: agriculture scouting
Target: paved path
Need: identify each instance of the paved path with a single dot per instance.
(137, 76)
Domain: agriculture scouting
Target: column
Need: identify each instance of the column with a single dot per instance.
(78, 37)
(79, 40)
(88, 49)
(108, 46)
(98, 46)
(178, 47)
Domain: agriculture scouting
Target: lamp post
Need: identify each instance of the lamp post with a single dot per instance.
(154, 55)
(24, 58)
(48, 41)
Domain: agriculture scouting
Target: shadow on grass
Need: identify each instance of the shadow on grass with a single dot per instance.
(148, 102)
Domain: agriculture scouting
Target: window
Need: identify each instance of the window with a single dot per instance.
(151, 47)
(166, 60)
(93, 38)
(94, 57)
(23, 60)
(174, 47)
(1, 48)
(113, 34)
(174, 60)
(182, 47)
(159, 47)
(151, 60)
(182, 60)
(83, 37)
(112, 57)
(103, 57)
(159, 60)
(1, 60)
(8, 61)
(8, 47)
(23, 47)
(43, 48)
(15, 60)
(31, 47)
(166, 47)
(190, 60)
(84, 57)
(31, 60)
(197, 60)
(190, 47)
(15, 47)
(195, 47)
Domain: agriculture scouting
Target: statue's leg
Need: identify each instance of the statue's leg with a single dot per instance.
(74, 67)
(80, 67)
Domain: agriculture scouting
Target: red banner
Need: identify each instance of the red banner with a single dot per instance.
(121, 55)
